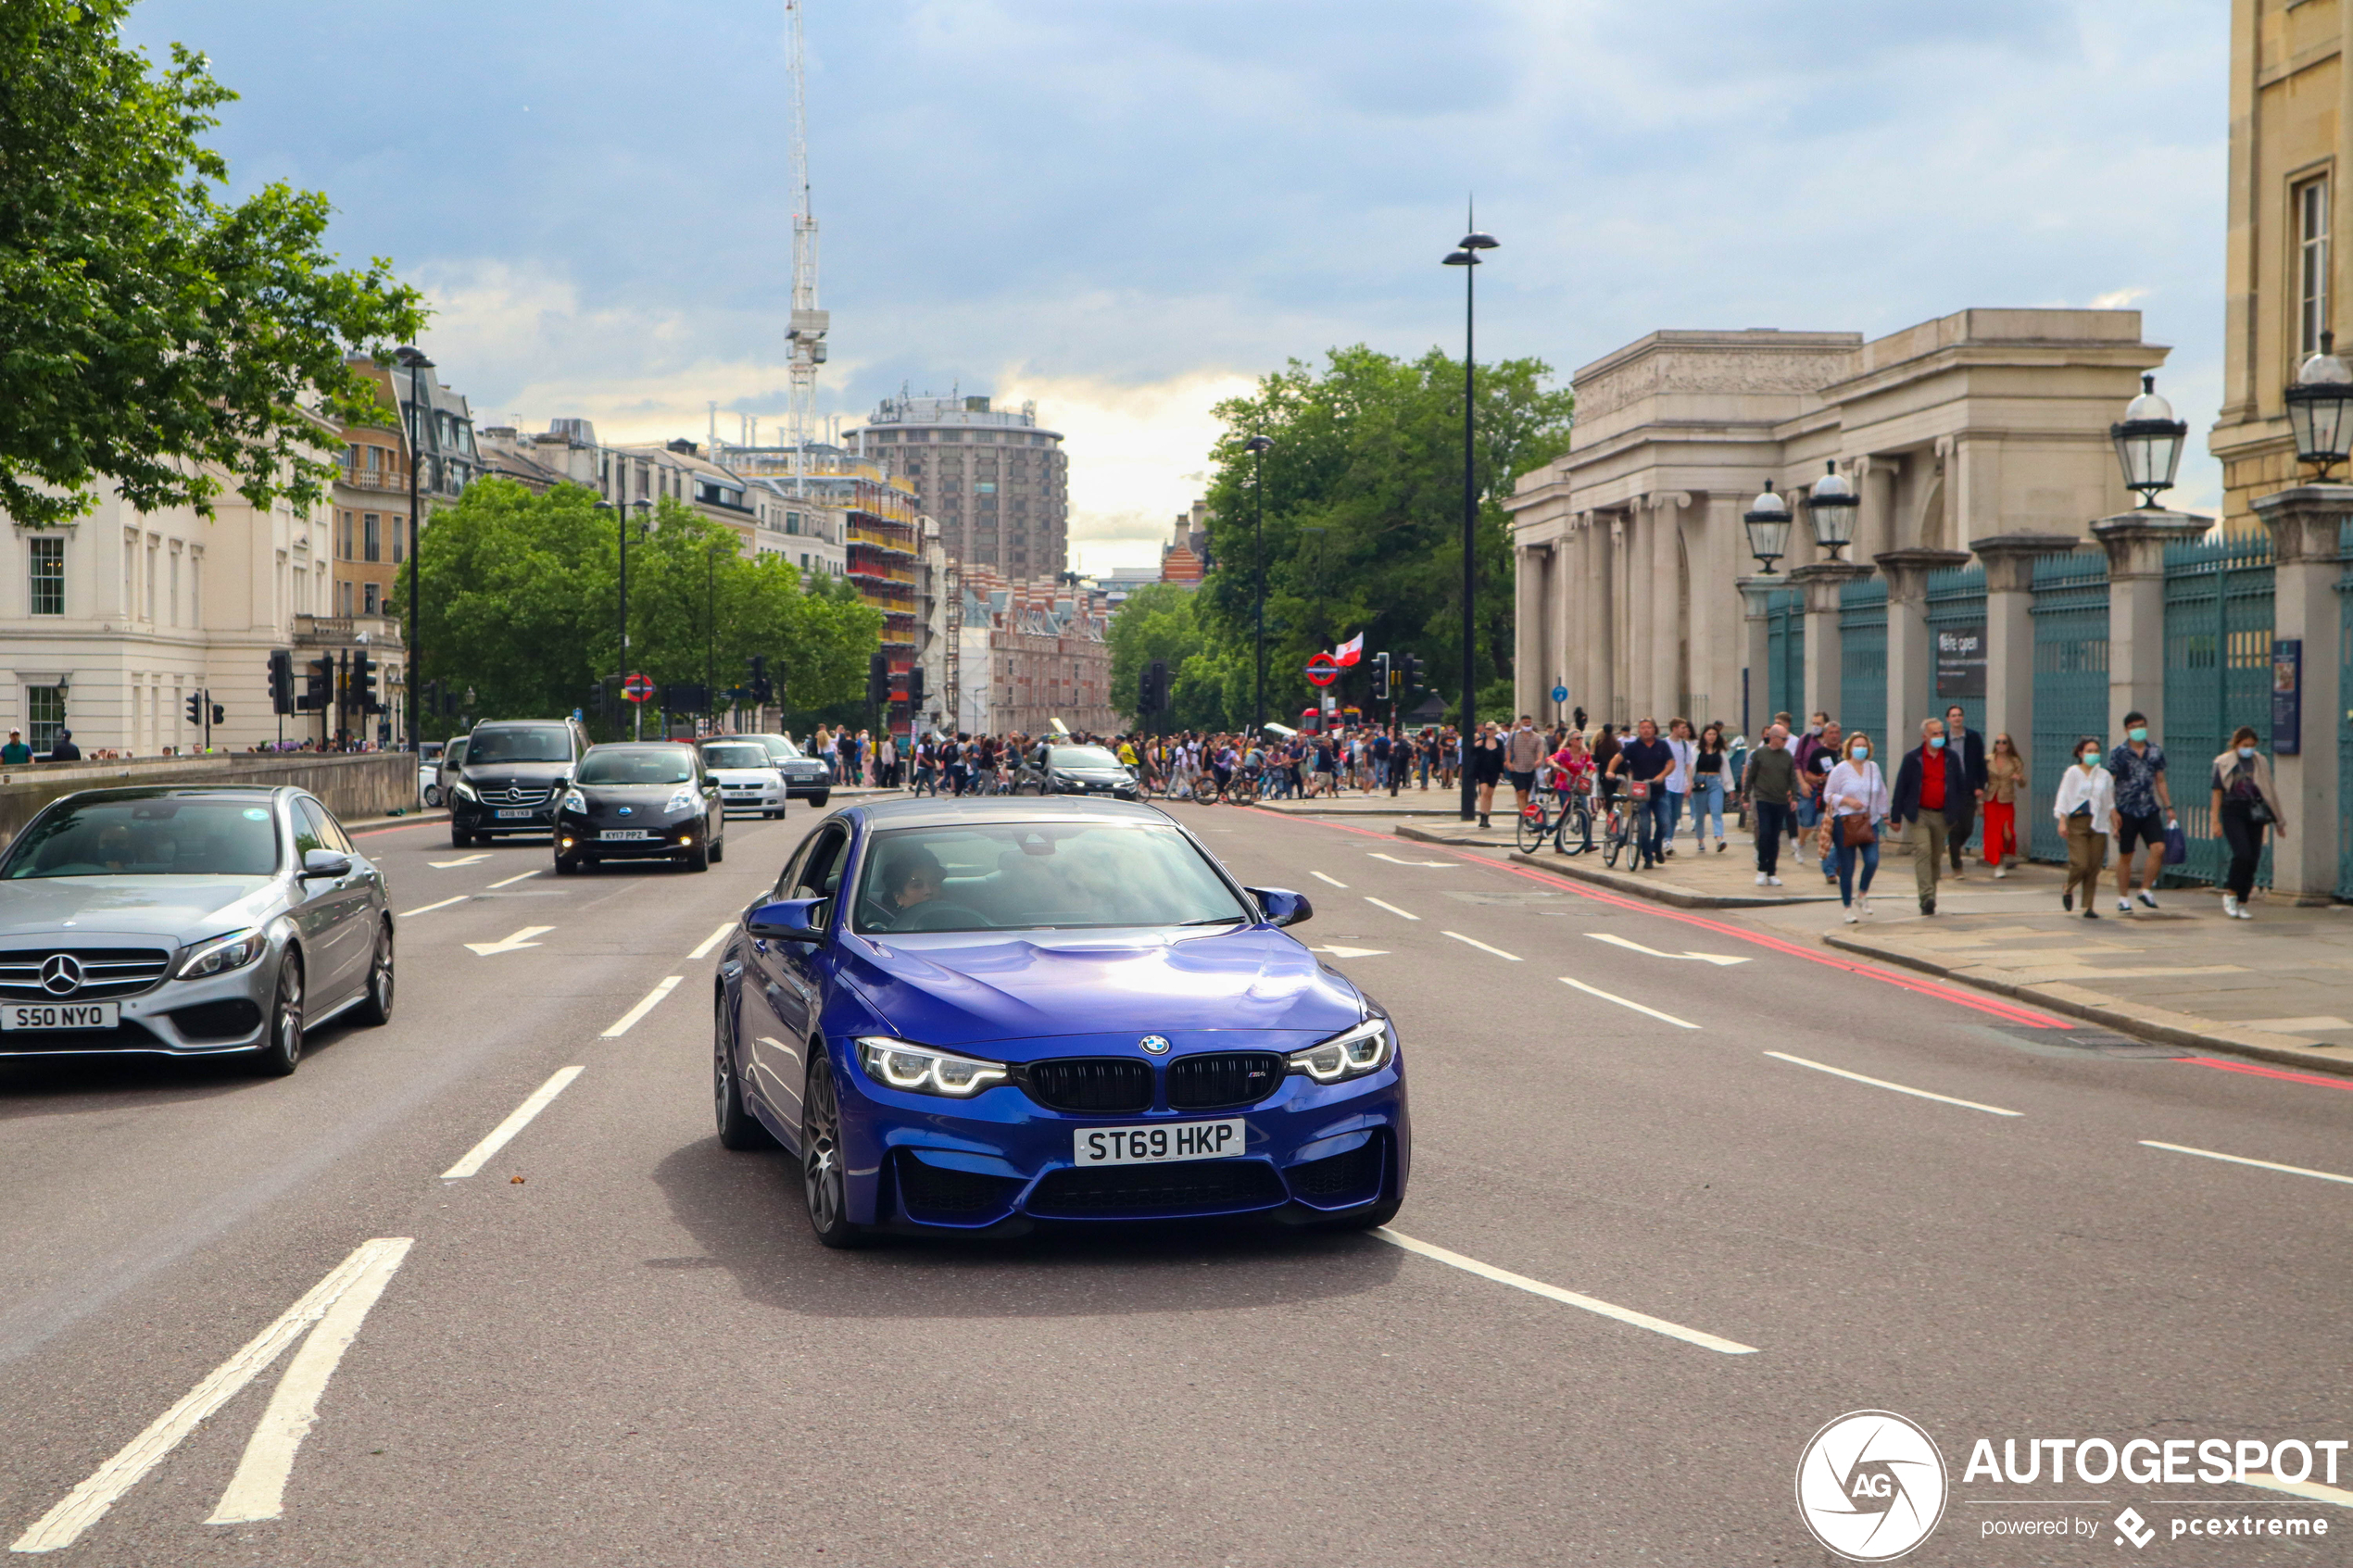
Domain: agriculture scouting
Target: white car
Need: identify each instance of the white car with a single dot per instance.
(747, 775)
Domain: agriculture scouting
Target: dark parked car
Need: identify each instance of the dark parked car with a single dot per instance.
(190, 921)
(806, 777)
(509, 777)
(1052, 769)
(636, 800)
(972, 1016)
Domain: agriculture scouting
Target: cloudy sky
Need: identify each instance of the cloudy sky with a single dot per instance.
(1128, 208)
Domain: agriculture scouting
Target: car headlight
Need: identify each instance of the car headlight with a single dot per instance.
(1351, 1054)
(686, 799)
(221, 955)
(920, 1069)
(575, 802)
(463, 788)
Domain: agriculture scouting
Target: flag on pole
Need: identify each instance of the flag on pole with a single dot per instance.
(1349, 651)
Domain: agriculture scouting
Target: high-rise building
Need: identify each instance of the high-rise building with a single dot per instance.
(998, 483)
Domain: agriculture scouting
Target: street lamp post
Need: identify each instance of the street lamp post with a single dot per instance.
(1768, 522)
(1465, 256)
(621, 512)
(2319, 410)
(1258, 446)
(417, 364)
(1831, 505)
(2148, 442)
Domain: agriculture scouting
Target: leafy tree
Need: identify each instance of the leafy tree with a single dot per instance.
(520, 596)
(149, 333)
(1158, 622)
(1364, 516)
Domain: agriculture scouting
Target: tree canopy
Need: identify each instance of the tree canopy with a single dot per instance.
(520, 596)
(149, 332)
(1364, 523)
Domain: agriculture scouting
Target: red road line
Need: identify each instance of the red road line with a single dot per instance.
(2266, 1072)
(2008, 1011)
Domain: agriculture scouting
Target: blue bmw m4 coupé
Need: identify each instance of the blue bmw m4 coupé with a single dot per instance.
(968, 1017)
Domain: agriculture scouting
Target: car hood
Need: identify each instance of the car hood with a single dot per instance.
(744, 775)
(174, 906)
(522, 773)
(949, 988)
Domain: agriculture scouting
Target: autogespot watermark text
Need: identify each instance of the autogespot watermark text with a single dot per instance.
(2146, 1462)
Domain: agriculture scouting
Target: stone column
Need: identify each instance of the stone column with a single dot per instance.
(1670, 634)
(1619, 693)
(1876, 531)
(1529, 675)
(2304, 522)
(1824, 651)
(1755, 710)
(1911, 670)
(2009, 631)
(2135, 543)
(1640, 603)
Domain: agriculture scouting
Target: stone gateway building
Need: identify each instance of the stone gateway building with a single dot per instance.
(1630, 547)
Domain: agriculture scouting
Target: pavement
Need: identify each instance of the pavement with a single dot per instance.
(1686, 1186)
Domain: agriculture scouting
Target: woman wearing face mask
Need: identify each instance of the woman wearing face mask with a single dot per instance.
(2245, 804)
(1855, 797)
(2004, 776)
(2085, 807)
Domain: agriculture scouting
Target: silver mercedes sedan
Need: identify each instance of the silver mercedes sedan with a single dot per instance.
(188, 921)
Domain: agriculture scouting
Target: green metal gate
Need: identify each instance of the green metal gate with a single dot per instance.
(1784, 653)
(1862, 643)
(1956, 603)
(2217, 676)
(2071, 681)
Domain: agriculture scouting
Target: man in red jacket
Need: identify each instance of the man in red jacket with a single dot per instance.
(1933, 788)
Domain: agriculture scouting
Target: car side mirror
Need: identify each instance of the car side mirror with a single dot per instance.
(325, 862)
(790, 919)
(1282, 906)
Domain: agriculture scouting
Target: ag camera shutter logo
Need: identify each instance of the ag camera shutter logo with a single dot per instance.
(1871, 1485)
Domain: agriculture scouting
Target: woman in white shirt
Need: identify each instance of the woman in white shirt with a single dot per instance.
(1679, 777)
(2085, 808)
(1856, 789)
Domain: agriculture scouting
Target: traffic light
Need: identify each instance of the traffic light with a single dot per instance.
(319, 686)
(282, 693)
(363, 683)
(761, 692)
(219, 714)
(1152, 696)
(1410, 678)
(914, 687)
(878, 678)
(196, 707)
(1382, 675)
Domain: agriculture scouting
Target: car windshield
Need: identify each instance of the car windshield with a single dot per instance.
(780, 749)
(541, 743)
(743, 756)
(148, 837)
(1080, 757)
(1040, 875)
(668, 766)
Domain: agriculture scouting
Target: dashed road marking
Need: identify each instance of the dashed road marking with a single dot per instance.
(708, 943)
(503, 1133)
(1475, 942)
(1608, 996)
(1721, 961)
(521, 876)
(430, 908)
(2242, 1160)
(627, 1021)
(1569, 1297)
(460, 861)
(1899, 1088)
(1333, 880)
(1352, 952)
(1441, 865)
(1391, 909)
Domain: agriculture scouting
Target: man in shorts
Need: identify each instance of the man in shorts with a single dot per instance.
(2144, 807)
(1521, 753)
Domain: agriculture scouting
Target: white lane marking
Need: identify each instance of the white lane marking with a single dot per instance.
(88, 1502)
(509, 944)
(1441, 865)
(1597, 991)
(712, 941)
(623, 1024)
(1391, 908)
(2242, 1160)
(1333, 880)
(2311, 1489)
(1899, 1088)
(1721, 961)
(1352, 952)
(1475, 942)
(1569, 1297)
(460, 861)
(259, 1488)
(430, 908)
(503, 1133)
(520, 877)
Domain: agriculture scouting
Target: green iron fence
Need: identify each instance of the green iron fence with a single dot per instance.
(2071, 682)
(1955, 609)
(1862, 644)
(1784, 653)
(2217, 676)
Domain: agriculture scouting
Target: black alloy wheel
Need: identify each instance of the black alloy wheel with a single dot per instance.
(820, 798)
(376, 1009)
(823, 1180)
(566, 864)
(282, 1053)
(719, 842)
(698, 856)
(459, 838)
(738, 1128)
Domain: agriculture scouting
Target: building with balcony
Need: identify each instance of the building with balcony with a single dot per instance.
(996, 481)
(1032, 652)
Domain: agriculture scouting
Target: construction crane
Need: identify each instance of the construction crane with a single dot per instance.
(806, 335)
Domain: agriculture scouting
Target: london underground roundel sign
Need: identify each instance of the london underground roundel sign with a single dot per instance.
(639, 688)
(1323, 669)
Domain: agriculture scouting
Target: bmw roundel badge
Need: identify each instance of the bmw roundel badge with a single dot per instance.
(1156, 1044)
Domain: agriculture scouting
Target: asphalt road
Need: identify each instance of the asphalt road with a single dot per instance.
(636, 1354)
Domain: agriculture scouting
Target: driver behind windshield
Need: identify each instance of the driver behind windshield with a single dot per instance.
(911, 875)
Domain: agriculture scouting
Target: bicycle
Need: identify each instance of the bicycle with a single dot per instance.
(1620, 834)
(1536, 824)
(1576, 817)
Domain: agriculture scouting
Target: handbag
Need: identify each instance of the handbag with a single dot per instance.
(2258, 811)
(2177, 845)
(1855, 832)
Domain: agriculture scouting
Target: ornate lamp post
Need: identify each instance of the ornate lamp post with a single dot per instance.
(2319, 410)
(1258, 446)
(1465, 256)
(1768, 522)
(2148, 444)
(1833, 506)
(416, 364)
